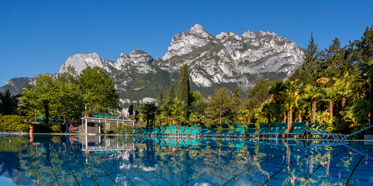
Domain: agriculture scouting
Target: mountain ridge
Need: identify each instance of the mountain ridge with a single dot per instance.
(227, 59)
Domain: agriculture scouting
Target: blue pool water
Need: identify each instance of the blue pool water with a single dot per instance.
(107, 160)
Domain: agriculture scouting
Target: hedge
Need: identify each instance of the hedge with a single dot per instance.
(49, 128)
(16, 121)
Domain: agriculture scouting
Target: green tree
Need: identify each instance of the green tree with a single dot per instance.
(342, 87)
(175, 112)
(148, 110)
(46, 110)
(236, 102)
(36, 94)
(360, 55)
(310, 64)
(66, 101)
(292, 96)
(334, 58)
(199, 107)
(312, 93)
(137, 108)
(277, 92)
(329, 95)
(195, 96)
(130, 108)
(171, 93)
(259, 93)
(98, 90)
(8, 103)
(220, 105)
(183, 89)
(160, 99)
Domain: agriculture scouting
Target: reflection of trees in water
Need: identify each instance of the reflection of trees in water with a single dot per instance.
(12, 160)
(16, 157)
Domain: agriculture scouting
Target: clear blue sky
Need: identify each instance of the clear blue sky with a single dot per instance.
(38, 36)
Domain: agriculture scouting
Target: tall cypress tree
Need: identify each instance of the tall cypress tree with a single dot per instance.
(130, 108)
(171, 93)
(137, 107)
(183, 89)
(160, 99)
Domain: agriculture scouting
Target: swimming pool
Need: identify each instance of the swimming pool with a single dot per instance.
(108, 160)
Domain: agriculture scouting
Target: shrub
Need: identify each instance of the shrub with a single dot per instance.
(105, 127)
(16, 121)
(56, 128)
(123, 129)
(49, 128)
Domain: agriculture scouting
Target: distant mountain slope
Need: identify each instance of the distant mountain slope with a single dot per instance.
(227, 59)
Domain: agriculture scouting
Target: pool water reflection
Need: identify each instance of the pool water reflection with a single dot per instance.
(109, 160)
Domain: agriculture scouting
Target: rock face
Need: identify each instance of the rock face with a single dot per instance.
(82, 61)
(228, 59)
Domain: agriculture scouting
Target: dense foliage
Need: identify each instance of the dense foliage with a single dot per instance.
(16, 121)
(8, 103)
(69, 94)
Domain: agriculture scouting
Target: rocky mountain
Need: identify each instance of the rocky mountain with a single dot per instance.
(227, 59)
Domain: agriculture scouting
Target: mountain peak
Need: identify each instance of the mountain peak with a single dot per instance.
(196, 27)
(198, 30)
(81, 61)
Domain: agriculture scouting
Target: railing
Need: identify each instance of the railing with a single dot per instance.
(345, 138)
(357, 151)
(15, 128)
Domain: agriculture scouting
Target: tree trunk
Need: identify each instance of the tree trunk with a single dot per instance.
(369, 118)
(269, 118)
(284, 120)
(147, 119)
(277, 110)
(343, 103)
(299, 116)
(331, 111)
(313, 111)
(290, 123)
(46, 113)
(371, 98)
(220, 114)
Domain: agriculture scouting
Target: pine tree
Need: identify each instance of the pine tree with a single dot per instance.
(310, 66)
(171, 93)
(160, 99)
(130, 108)
(333, 57)
(219, 106)
(183, 89)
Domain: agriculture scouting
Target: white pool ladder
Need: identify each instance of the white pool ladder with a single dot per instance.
(15, 128)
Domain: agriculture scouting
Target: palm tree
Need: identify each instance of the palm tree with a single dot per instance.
(312, 92)
(329, 95)
(8, 103)
(148, 109)
(277, 92)
(343, 89)
(266, 108)
(302, 108)
(175, 111)
(292, 95)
